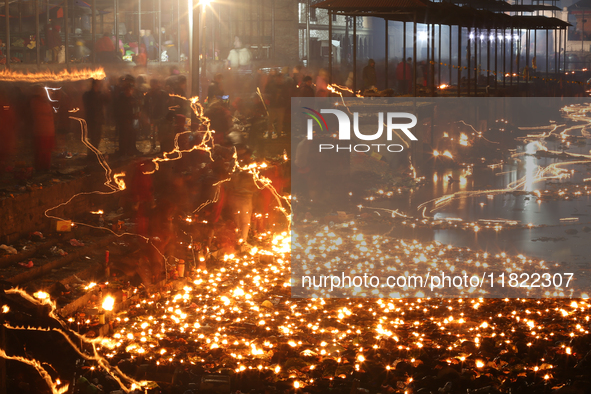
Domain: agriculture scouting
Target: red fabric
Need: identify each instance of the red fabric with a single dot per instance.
(216, 209)
(400, 71)
(104, 44)
(43, 125)
(141, 59)
(7, 133)
(43, 148)
(141, 189)
(268, 200)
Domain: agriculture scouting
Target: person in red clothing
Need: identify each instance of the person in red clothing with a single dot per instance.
(8, 125)
(104, 49)
(404, 76)
(43, 128)
(104, 44)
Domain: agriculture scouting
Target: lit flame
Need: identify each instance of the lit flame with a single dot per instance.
(41, 295)
(47, 76)
(108, 303)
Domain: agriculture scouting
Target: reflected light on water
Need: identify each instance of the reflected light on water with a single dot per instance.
(531, 168)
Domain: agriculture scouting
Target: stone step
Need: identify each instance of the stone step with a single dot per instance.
(18, 275)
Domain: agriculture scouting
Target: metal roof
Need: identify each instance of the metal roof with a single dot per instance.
(370, 5)
(444, 13)
(503, 6)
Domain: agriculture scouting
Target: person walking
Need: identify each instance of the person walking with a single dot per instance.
(104, 49)
(54, 42)
(369, 75)
(156, 107)
(404, 76)
(127, 116)
(94, 102)
(43, 128)
(215, 91)
(277, 95)
(306, 89)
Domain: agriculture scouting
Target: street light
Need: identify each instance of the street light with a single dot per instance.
(197, 47)
(203, 52)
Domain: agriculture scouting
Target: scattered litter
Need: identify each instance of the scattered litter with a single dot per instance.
(37, 235)
(28, 265)
(8, 249)
(75, 242)
(57, 251)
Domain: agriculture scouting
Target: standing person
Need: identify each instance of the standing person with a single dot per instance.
(369, 75)
(172, 52)
(404, 76)
(297, 76)
(278, 102)
(306, 89)
(291, 90)
(94, 102)
(290, 83)
(220, 121)
(8, 130)
(43, 128)
(156, 107)
(322, 83)
(150, 43)
(126, 116)
(104, 49)
(54, 42)
(215, 89)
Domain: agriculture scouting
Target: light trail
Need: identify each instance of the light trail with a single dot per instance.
(127, 383)
(48, 76)
(551, 171)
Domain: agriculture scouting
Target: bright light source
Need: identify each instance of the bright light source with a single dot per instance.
(41, 295)
(108, 303)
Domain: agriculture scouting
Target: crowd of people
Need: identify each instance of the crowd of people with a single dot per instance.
(120, 111)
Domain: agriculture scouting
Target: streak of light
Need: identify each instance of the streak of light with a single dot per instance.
(48, 76)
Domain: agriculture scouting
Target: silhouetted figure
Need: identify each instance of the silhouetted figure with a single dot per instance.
(94, 108)
(369, 75)
(43, 128)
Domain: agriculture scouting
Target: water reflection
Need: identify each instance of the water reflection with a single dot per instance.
(530, 166)
(551, 242)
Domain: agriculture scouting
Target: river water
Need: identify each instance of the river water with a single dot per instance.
(549, 238)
